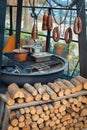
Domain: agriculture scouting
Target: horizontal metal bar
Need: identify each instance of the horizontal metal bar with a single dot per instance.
(41, 35)
(46, 7)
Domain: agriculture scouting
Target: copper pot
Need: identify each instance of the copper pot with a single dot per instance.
(20, 55)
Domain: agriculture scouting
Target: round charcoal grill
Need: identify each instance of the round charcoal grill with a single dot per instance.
(31, 71)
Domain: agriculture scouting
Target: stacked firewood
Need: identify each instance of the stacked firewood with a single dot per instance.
(56, 108)
(44, 92)
(67, 114)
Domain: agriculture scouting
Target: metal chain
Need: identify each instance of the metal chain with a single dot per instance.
(40, 8)
(68, 6)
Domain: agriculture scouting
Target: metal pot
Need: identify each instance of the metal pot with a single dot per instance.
(20, 55)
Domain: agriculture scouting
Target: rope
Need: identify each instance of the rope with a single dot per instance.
(69, 6)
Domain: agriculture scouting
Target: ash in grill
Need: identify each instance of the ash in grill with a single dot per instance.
(33, 70)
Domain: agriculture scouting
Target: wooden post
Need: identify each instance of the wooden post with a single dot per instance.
(18, 22)
(82, 37)
(2, 26)
(6, 118)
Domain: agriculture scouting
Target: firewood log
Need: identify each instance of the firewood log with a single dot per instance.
(10, 127)
(84, 100)
(14, 122)
(38, 97)
(12, 115)
(47, 112)
(83, 112)
(46, 117)
(76, 109)
(40, 120)
(46, 128)
(28, 96)
(41, 125)
(7, 99)
(65, 117)
(71, 128)
(71, 100)
(61, 84)
(26, 127)
(42, 114)
(65, 102)
(15, 128)
(28, 115)
(61, 93)
(52, 115)
(69, 85)
(63, 113)
(54, 87)
(62, 108)
(42, 91)
(56, 111)
(27, 110)
(85, 126)
(35, 128)
(63, 128)
(45, 107)
(83, 81)
(22, 110)
(47, 123)
(19, 116)
(64, 89)
(39, 110)
(52, 94)
(56, 104)
(35, 117)
(54, 118)
(20, 100)
(51, 108)
(30, 89)
(73, 114)
(32, 110)
(59, 116)
(61, 90)
(21, 124)
(52, 123)
(15, 91)
(77, 84)
(59, 126)
(33, 125)
(28, 121)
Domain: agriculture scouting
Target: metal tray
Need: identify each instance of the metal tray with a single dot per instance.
(42, 56)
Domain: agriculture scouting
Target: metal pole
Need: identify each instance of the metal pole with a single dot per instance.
(48, 36)
(82, 38)
(2, 26)
(11, 26)
(18, 22)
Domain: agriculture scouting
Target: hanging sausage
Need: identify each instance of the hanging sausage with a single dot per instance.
(68, 35)
(77, 25)
(56, 34)
(35, 30)
(45, 21)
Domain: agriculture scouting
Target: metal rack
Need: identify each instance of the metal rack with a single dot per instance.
(7, 109)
